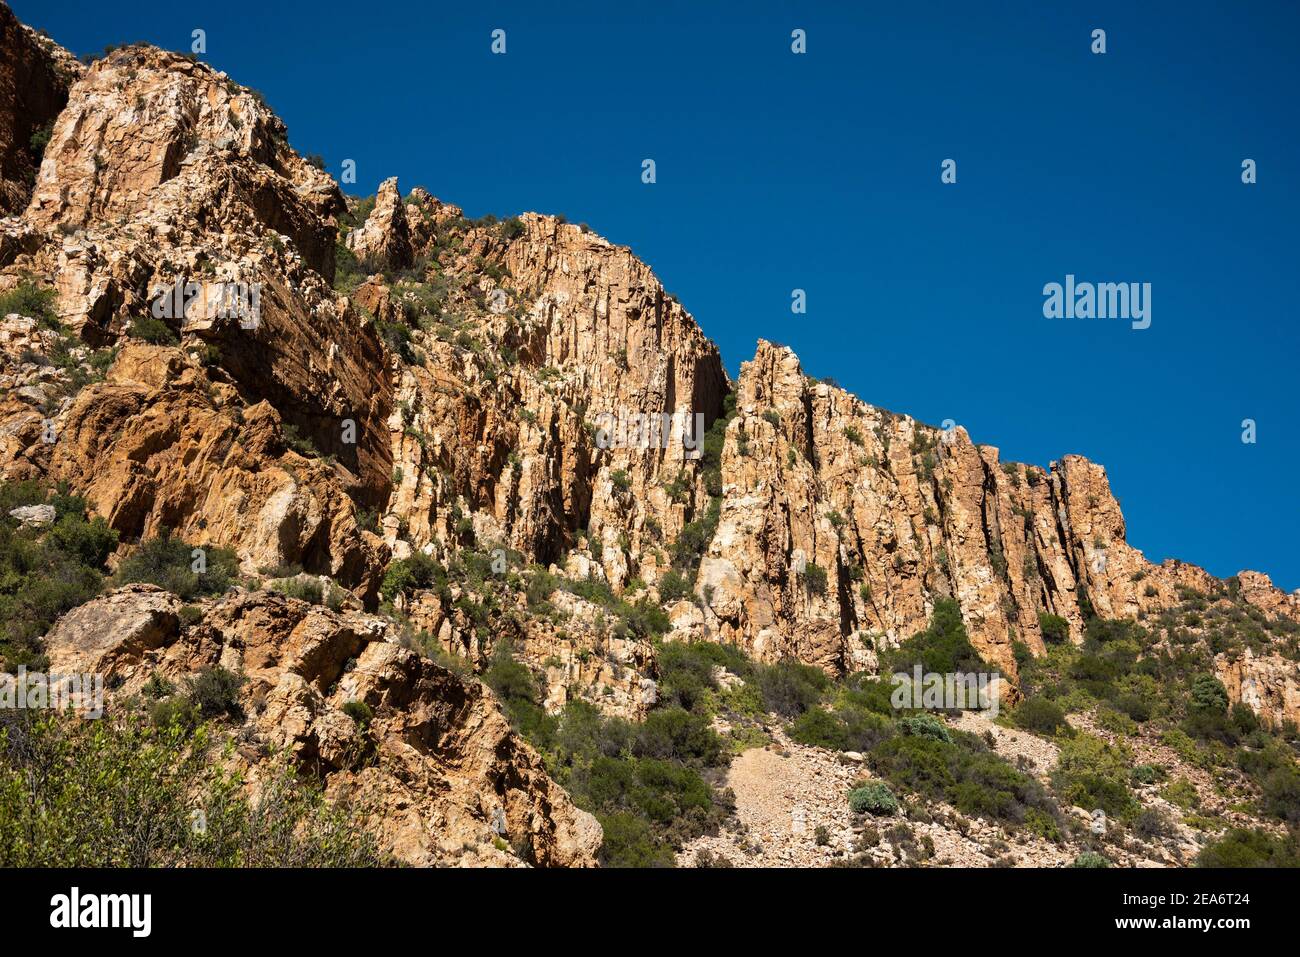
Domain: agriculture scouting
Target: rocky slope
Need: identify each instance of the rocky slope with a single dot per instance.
(441, 775)
(416, 383)
(519, 340)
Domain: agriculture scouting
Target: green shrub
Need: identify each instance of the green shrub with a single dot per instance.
(874, 797)
(518, 690)
(1056, 630)
(1244, 719)
(1090, 859)
(1241, 847)
(1146, 774)
(818, 728)
(1040, 716)
(170, 563)
(360, 712)
(674, 734)
(154, 331)
(943, 648)
(123, 792)
(308, 590)
(848, 727)
(963, 772)
(214, 692)
(1135, 706)
(1209, 695)
(1115, 721)
(695, 536)
(1092, 774)
(790, 687)
(45, 572)
(396, 336)
(30, 300)
(686, 672)
(870, 694)
(630, 841)
(39, 140)
(643, 783)
(674, 587)
(927, 726)
(815, 579)
(408, 575)
(1281, 794)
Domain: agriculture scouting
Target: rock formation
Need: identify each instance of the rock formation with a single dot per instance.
(35, 74)
(519, 343)
(409, 381)
(1268, 685)
(437, 768)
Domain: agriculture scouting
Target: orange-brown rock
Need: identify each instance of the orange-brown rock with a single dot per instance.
(35, 74)
(160, 445)
(498, 421)
(1268, 685)
(897, 513)
(442, 776)
(384, 237)
(584, 657)
(465, 403)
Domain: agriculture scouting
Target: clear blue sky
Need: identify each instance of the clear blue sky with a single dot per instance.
(821, 172)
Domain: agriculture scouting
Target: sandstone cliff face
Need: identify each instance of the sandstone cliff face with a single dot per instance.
(461, 395)
(1268, 685)
(159, 171)
(575, 653)
(554, 329)
(898, 513)
(166, 444)
(35, 74)
(438, 769)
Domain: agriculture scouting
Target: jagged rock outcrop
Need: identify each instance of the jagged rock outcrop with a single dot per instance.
(559, 328)
(1269, 685)
(466, 395)
(384, 237)
(35, 74)
(896, 513)
(160, 445)
(1257, 589)
(574, 649)
(441, 776)
(161, 170)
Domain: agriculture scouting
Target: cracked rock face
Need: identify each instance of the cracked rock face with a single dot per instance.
(484, 385)
(1269, 685)
(438, 770)
(35, 74)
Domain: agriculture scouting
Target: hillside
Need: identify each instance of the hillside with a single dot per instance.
(455, 592)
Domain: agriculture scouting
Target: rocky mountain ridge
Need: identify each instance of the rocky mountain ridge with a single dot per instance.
(415, 383)
(160, 167)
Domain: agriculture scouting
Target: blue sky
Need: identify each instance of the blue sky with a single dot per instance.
(822, 172)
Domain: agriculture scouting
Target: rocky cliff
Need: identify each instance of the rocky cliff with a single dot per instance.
(460, 388)
(412, 382)
(437, 768)
(35, 74)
